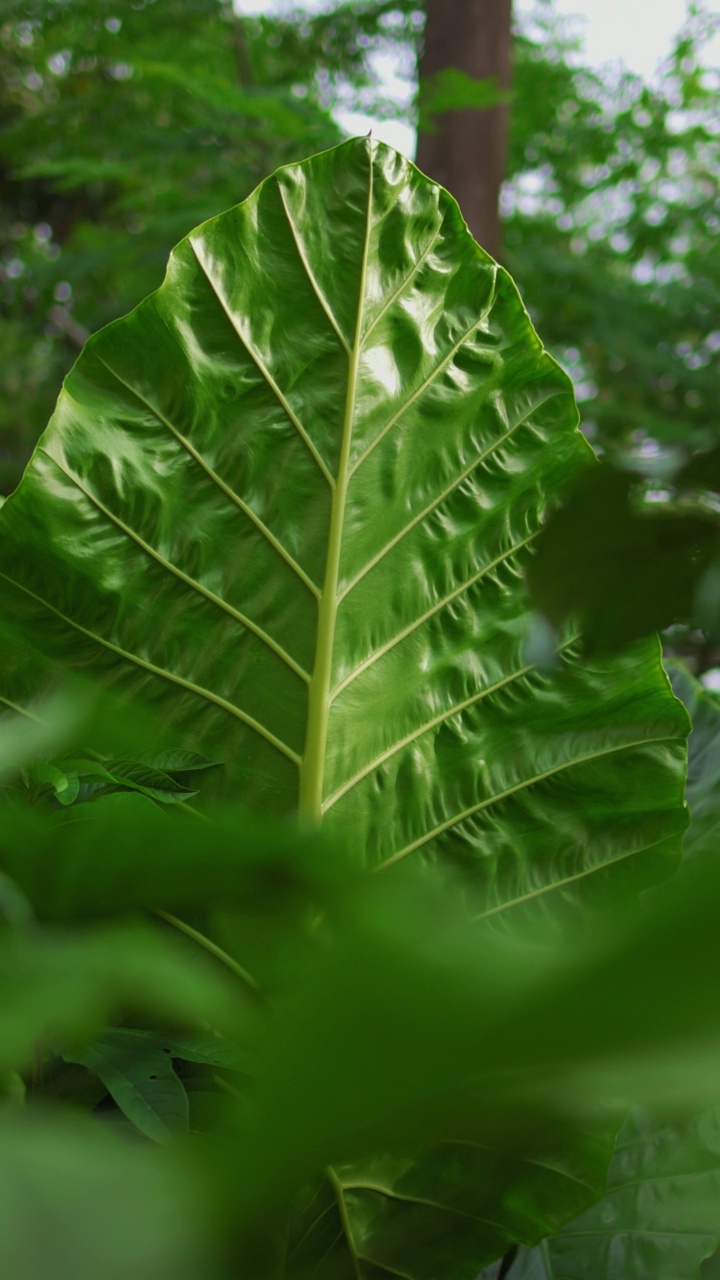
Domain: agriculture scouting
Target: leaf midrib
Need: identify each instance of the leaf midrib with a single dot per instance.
(312, 767)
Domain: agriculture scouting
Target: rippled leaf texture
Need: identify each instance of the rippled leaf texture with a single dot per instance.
(290, 499)
(660, 1217)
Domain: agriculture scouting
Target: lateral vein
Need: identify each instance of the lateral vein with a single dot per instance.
(403, 286)
(339, 1194)
(384, 1266)
(511, 791)
(21, 711)
(265, 372)
(242, 618)
(430, 724)
(579, 875)
(424, 385)
(308, 272)
(405, 1199)
(201, 692)
(457, 481)
(402, 635)
(212, 475)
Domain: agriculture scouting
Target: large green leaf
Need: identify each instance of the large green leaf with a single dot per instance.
(289, 502)
(448, 1211)
(660, 1217)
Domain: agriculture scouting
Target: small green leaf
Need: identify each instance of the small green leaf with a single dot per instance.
(179, 761)
(43, 776)
(153, 783)
(207, 1050)
(65, 988)
(141, 1080)
(454, 90)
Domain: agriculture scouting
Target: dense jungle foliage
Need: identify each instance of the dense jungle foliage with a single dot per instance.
(358, 890)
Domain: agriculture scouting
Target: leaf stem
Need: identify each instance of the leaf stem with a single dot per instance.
(211, 947)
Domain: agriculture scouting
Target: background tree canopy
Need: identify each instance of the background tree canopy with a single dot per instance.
(127, 125)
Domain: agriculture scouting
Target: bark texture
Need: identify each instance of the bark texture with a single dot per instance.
(467, 152)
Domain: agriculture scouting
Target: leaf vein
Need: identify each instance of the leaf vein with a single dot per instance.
(207, 694)
(579, 875)
(265, 371)
(242, 618)
(424, 385)
(521, 786)
(308, 272)
(339, 1194)
(421, 1200)
(21, 711)
(402, 635)
(401, 287)
(457, 481)
(212, 475)
(430, 724)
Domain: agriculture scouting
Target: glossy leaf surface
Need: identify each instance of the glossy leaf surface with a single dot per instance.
(660, 1217)
(289, 500)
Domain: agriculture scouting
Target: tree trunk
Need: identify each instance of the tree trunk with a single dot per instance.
(467, 153)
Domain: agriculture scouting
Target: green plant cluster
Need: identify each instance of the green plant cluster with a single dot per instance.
(341, 937)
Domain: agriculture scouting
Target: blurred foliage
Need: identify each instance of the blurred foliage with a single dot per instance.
(612, 222)
(238, 1129)
(125, 126)
(635, 549)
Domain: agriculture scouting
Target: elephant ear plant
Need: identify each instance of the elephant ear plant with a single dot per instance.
(288, 503)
